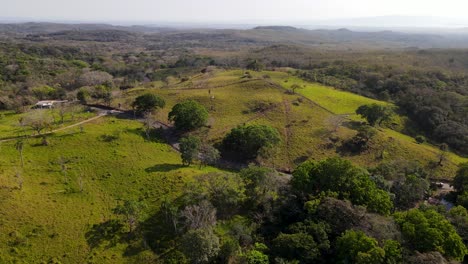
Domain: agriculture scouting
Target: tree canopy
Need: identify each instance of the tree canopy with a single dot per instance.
(341, 176)
(147, 103)
(246, 141)
(188, 115)
(375, 113)
(427, 230)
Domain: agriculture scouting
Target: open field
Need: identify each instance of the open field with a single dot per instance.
(81, 176)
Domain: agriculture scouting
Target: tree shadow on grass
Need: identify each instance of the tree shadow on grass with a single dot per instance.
(164, 167)
(155, 135)
(108, 233)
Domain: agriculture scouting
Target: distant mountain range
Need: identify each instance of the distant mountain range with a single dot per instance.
(260, 35)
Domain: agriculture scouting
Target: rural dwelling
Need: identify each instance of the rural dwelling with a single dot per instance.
(48, 104)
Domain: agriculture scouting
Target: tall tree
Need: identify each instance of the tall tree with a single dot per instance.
(188, 115)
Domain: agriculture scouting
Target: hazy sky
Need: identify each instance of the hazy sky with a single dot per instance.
(225, 11)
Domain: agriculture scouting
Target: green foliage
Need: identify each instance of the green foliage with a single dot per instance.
(44, 92)
(420, 139)
(409, 191)
(131, 211)
(339, 175)
(200, 245)
(356, 247)
(80, 64)
(256, 257)
(427, 230)
(83, 95)
(248, 140)
(209, 155)
(375, 114)
(188, 115)
(147, 103)
(224, 190)
(102, 92)
(460, 182)
(189, 148)
(255, 65)
(261, 184)
(298, 246)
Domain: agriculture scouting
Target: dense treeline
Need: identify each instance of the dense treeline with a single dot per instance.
(329, 212)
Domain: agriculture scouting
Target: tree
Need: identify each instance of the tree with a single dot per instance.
(256, 257)
(102, 92)
(189, 148)
(200, 245)
(225, 191)
(361, 140)
(409, 191)
(92, 78)
(294, 87)
(357, 247)
(131, 212)
(247, 141)
(83, 95)
(460, 182)
(374, 113)
(341, 176)
(255, 65)
(305, 241)
(427, 230)
(44, 92)
(188, 115)
(261, 184)
(38, 120)
(202, 215)
(19, 145)
(209, 155)
(147, 103)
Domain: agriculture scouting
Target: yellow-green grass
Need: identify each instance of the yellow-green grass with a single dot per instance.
(50, 215)
(10, 121)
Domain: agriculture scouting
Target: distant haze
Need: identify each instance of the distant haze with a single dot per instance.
(399, 13)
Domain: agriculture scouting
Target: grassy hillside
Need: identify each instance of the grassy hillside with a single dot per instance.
(74, 183)
(305, 119)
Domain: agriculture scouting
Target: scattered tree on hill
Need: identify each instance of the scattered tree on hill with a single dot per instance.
(375, 114)
(19, 145)
(38, 120)
(361, 140)
(247, 141)
(147, 103)
(131, 211)
(189, 149)
(188, 115)
(209, 155)
(255, 65)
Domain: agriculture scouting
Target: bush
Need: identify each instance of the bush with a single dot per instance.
(420, 139)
